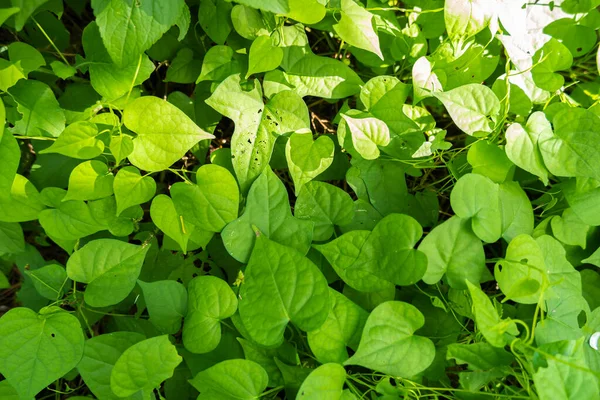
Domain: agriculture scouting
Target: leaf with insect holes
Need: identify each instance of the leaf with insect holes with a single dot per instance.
(52, 339)
(257, 124)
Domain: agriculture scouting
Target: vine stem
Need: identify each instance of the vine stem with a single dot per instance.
(50, 40)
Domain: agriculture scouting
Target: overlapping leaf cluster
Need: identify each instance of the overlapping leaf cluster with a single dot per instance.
(316, 199)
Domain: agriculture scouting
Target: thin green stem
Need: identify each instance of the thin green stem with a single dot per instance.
(50, 40)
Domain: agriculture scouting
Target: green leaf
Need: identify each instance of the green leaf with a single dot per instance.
(388, 343)
(327, 381)
(479, 356)
(256, 124)
(219, 63)
(210, 301)
(10, 74)
(274, 6)
(582, 196)
(570, 229)
(23, 204)
(167, 219)
(372, 261)
(248, 22)
(552, 57)
(306, 11)
(342, 329)
(307, 159)
(108, 79)
(453, 250)
(132, 189)
(164, 132)
(476, 197)
(78, 140)
(90, 180)
(231, 380)
(263, 56)
(522, 144)
(128, 28)
(42, 115)
(466, 18)
(120, 147)
(516, 210)
(50, 281)
(473, 108)
(184, 68)
(100, 354)
(6, 13)
(62, 70)
(214, 17)
(322, 77)
(366, 133)
(37, 349)
(30, 59)
(72, 220)
(26, 8)
(109, 267)
(11, 238)
(573, 149)
(167, 304)
(566, 375)
(357, 28)
(325, 205)
(489, 160)
(10, 155)
(521, 275)
(267, 208)
(564, 298)
(6, 390)
(281, 285)
(212, 202)
(492, 327)
(143, 366)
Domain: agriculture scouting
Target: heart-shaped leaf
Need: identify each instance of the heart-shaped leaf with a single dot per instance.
(307, 159)
(212, 202)
(110, 268)
(99, 357)
(268, 208)
(376, 260)
(453, 250)
(388, 343)
(90, 180)
(342, 329)
(132, 189)
(281, 285)
(52, 339)
(167, 304)
(144, 366)
(164, 132)
(167, 219)
(263, 55)
(231, 379)
(210, 301)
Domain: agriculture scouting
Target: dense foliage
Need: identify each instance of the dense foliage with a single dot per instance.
(301, 199)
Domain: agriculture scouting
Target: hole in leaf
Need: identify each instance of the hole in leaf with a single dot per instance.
(52, 335)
